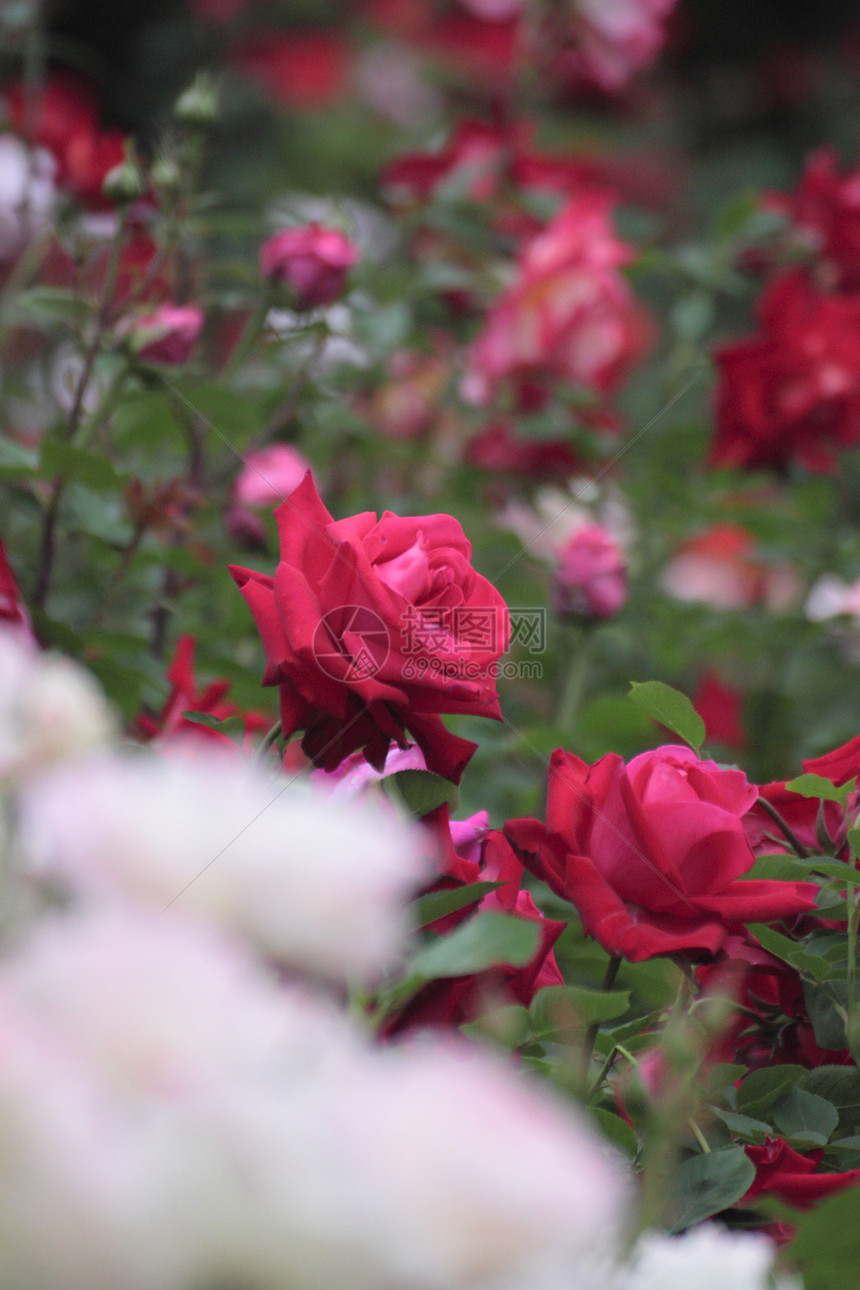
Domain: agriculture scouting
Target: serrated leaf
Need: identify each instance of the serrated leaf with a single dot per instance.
(436, 904)
(561, 1006)
(805, 1117)
(671, 709)
(487, 940)
(744, 1126)
(761, 1088)
(703, 1185)
(779, 867)
(422, 791)
(816, 786)
(790, 952)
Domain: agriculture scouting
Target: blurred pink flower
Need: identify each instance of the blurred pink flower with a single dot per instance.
(590, 575)
(569, 314)
(269, 475)
(168, 334)
(312, 259)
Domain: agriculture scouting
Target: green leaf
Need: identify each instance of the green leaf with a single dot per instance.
(743, 1125)
(826, 1006)
(854, 841)
(804, 1117)
(436, 904)
(763, 1087)
(569, 1006)
(789, 951)
(782, 868)
(65, 461)
(706, 1184)
(825, 1247)
(16, 461)
(721, 1075)
(618, 1131)
(671, 709)
(487, 940)
(423, 791)
(817, 786)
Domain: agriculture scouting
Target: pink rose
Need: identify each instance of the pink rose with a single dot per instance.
(313, 260)
(372, 627)
(168, 334)
(569, 313)
(653, 853)
(590, 575)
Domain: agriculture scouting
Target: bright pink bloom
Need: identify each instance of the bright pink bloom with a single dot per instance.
(168, 334)
(569, 314)
(372, 627)
(791, 393)
(313, 260)
(590, 575)
(270, 475)
(653, 854)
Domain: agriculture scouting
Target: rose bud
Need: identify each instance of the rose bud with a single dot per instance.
(312, 260)
(590, 575)
(167, 335)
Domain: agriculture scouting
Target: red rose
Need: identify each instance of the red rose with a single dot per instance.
(826, 205)
(789, 1175)
(372, 627)
(793, 391)
(651, 853)
(313, 260)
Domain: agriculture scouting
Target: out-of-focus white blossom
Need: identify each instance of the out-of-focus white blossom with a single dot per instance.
(50, 708)
(831, 597)
(322, 885)
(26, 192)
(556, 515)
(709, 1257)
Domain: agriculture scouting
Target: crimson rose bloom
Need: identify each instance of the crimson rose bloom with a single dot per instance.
(371, 627)
(312, 259)
(793, 391)
(651, 853)
(782, 1172)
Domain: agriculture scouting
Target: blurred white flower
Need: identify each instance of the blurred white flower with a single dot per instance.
(485, 1179)
(26, 193)
(50, 708)
(708, 1257)
(322, 886)
(830, 597)
(556, 515)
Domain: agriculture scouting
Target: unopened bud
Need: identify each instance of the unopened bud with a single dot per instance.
(198, 105)
(125, 183)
